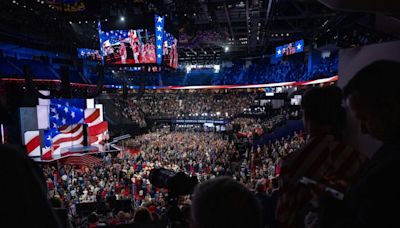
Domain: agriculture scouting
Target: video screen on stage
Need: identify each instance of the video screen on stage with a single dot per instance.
(89, 54)
(133, 46)
(290, 49)
(170, 51)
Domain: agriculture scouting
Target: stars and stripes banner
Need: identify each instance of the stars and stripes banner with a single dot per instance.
(66, 112)
(159, 25)
(97, 128)
(67, 131)
(290, 48)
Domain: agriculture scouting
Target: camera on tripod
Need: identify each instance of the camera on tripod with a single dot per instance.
(178, 184)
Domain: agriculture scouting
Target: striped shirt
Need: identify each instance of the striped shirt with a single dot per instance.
(321, 157)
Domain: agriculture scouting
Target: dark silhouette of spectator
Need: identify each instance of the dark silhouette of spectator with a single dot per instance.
(93, 220)
(23, 189)
(272, 202)
(142, 215)
(374, 99)
(264, 200)
(222, 202)
(324, 158)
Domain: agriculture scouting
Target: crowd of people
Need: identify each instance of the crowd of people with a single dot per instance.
(175, 105)
(128, 110)
(204, 155)
(261, 71)
(256, 127)
(256, 71)
(323, 180)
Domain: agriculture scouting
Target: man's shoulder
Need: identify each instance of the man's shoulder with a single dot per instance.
(384, 165)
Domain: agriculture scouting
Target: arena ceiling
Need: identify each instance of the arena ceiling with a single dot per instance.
(209, 30)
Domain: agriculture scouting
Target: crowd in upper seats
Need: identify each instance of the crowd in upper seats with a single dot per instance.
(126, 109)
(175, 105)
(40, 69)
(261, 71)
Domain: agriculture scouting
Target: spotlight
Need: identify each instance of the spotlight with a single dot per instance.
(106, 20)
(122, 18)
(226, 49)
(70, 22)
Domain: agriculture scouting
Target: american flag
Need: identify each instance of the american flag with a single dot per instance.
(66, 129)
(113, 36)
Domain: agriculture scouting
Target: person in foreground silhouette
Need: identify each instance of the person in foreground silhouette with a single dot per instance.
(324, 158)
(25, 202)
(373, 96)
(223, 202)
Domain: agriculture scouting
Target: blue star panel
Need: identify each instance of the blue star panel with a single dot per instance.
(290, 48)
(159, 26)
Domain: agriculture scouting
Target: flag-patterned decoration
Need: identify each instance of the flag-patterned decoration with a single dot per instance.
(100, 39)
(159, 25)
(294, 47)
(32, 143)
(97, 128)
(66, 112)
(66, 131)
(113, 37)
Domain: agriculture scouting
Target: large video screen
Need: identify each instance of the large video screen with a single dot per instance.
(170, 50)
(139, 41)
(134, 46)
(89, 54)
(290, 48)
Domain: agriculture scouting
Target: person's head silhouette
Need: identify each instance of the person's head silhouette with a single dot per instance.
(374, 98)
(224, 202)
(322, 111)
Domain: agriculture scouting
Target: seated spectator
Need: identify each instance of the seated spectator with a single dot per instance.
(223, 202)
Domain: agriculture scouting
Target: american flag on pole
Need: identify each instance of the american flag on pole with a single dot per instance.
(66, 131)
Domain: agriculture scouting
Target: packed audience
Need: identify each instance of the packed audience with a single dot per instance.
(261, 71)
(250, 127)
(205, 155)
(258, 71)
(128, 110)
(175, 105)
